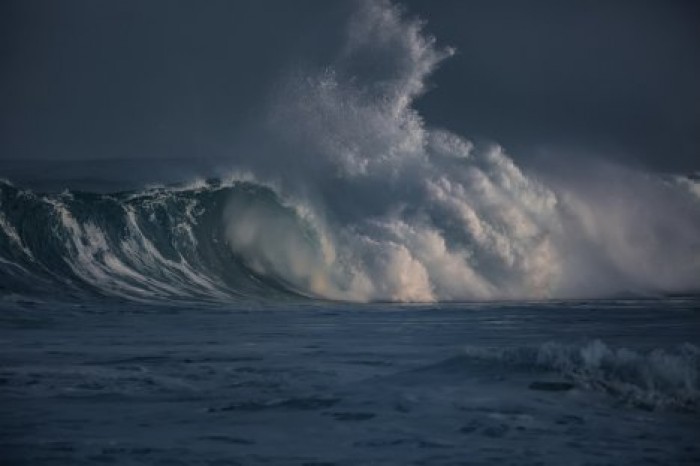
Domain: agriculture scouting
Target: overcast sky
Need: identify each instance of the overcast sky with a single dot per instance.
(131, 78)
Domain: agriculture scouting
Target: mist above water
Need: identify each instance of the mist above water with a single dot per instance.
(411, 212)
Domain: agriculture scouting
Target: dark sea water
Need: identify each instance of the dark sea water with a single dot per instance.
(570, 382)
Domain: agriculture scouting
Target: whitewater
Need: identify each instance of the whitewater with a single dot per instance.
(355, 286)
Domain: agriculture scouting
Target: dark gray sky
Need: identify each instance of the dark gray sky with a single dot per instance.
(85, 79)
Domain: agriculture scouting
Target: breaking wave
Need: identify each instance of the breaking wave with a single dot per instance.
(352, 196)
(657, 379)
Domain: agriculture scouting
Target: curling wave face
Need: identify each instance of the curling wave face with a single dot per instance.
(162, 243)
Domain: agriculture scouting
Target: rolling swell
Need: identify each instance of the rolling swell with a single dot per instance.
(160, 243)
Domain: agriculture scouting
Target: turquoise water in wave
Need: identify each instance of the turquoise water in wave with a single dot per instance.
(572, 382)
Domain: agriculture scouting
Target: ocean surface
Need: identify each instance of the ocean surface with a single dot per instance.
(314, 383)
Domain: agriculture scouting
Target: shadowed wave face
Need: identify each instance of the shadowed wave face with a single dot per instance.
(355, 197)
(162, 243)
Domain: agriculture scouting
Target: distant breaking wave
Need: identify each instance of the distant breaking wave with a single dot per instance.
(352, 196)
(658, 379)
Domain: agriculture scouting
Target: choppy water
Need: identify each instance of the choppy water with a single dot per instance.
(598, 382)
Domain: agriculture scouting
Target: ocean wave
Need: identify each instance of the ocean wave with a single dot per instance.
(353, 196)
(654, 379)
(161, 243)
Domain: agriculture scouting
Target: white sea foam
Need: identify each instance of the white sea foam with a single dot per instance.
(407, 212)
(656, 379)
